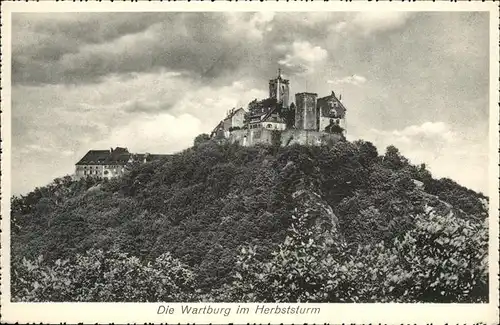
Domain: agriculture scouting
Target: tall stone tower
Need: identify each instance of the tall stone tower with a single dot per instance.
(306, 114)
(279, 89)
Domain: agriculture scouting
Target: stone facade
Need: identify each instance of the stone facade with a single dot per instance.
(101, 171)
(284, 138)
(306, 114)
(235, 119)
(279, 89)
(331, 111)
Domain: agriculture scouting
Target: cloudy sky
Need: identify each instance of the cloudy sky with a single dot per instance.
(153, 81)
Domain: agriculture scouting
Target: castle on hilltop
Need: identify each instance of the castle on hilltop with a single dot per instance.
(274, 120)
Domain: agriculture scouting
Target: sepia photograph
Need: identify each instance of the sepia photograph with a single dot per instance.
(281, 160)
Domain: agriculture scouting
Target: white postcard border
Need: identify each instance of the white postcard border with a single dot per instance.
(330, 313)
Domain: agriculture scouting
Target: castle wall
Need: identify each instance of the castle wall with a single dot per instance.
(299, 116)
(260, 135)
(307, 137)
(238, 119)
(274, 125)
(250, 137)
(240, 137)
(325, 121)
(288, 137)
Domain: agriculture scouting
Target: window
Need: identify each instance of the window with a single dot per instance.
(269, 126)
(84, 172)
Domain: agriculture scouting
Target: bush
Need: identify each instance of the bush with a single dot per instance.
(104, 277)
(442, 260)
(298, 271)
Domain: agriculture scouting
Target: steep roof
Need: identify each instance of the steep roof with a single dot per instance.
(234, 112)
(118, 156)
(95, 157)
(269, 114)
(217, 128)
(323, 104)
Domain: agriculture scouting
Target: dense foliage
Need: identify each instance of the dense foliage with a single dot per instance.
(437, 261)
(197, 209)
(102, 276)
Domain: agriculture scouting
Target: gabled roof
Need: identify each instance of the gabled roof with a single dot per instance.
(324, 100)
(117, 156)
(269, 114)
(233, 113)
(95, 157)
(217, 128)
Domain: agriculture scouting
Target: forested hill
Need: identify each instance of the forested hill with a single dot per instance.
(206, 203)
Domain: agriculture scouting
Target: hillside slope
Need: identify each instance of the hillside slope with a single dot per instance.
(204, 204)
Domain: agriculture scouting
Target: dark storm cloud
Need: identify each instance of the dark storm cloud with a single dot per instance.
(80, 48)
(145, 107)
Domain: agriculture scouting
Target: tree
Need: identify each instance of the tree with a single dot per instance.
(201, 138)
(368, 153)
(289, 116)
(393, 158)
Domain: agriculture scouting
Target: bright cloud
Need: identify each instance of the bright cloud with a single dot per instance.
(375, 21)
(368, 22)
(444, 150)
(428, 130)
(160, 133)
(353, 80)
(304, 57)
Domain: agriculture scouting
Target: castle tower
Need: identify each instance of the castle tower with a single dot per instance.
(306, 117)
(279, 89)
